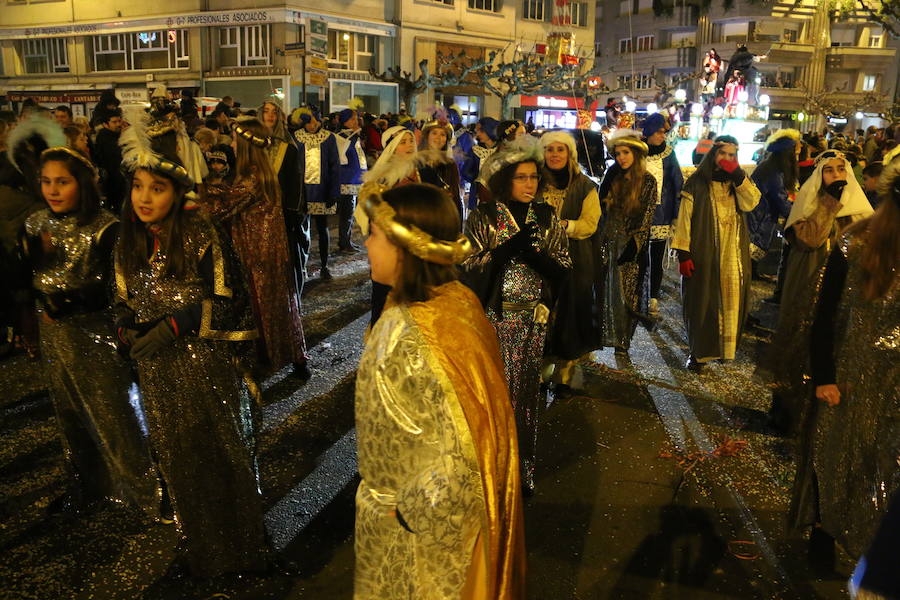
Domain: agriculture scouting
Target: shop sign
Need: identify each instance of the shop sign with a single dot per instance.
(61, 97)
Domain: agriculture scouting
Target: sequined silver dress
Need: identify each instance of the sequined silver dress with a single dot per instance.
(518, 300)
(851, 461)
(199, 421)
(101, 433)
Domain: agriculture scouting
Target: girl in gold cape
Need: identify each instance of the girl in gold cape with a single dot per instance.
(439, 509)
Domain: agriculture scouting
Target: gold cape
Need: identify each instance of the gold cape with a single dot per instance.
(424, 364)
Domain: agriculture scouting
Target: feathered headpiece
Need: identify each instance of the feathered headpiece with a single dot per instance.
(782, 139)
(519, 150)
(38, 133)
(627, 137)
(303, 115)
(140, 152)
(356, 103)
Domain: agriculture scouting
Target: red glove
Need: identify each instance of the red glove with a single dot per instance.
(729, 166)
(686, 268)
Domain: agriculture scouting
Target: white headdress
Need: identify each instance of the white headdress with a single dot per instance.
(35, 125)
(853, 198)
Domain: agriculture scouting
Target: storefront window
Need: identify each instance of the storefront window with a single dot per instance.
(377, 98)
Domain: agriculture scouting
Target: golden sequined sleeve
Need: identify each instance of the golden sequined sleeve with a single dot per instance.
(224, 202)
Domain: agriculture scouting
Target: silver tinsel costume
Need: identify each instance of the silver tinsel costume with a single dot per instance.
(100, 428)
(851, 461)
(623, 283)
(199, 421)
(518, 300)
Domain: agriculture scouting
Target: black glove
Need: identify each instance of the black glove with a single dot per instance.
(835, 189)
(158, 338)
(628, 253)
(738, 176)
(518, 243)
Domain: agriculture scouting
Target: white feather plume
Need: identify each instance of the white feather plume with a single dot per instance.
(35, 124)
(137, 150)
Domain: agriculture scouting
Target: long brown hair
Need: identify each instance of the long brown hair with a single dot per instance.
(626, 187)
(253, 160)
(134, 241)
(430, 209)
(880, 256)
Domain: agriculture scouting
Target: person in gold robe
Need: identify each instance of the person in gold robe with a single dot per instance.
(439, 508)
(713, 247)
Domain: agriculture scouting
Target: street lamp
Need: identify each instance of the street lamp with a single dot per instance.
(680, 95)
(630, 106)
(652, 108)
(764, 100)
(801, 116)
(859, 116)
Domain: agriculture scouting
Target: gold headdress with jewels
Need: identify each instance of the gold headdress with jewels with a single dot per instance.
(410, 237)
(259, 142)
(144, 146)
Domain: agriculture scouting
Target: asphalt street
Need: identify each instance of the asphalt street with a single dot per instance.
(653, 482)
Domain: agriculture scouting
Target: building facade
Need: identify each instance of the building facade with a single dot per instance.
(811, 52)
(68, 51)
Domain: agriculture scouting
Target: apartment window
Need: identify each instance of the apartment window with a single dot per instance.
(366, 52)
(625, 46)
(625, 7)
(488, 5)
(143, 51)
(790, 35)
(869, 83)
(579, 13)
(44, 56)
(875, 40)
(533, 10)
(245, 46)
(645, 42)
(643, 82)
(447, 2)
(339, 49)
(625, 81)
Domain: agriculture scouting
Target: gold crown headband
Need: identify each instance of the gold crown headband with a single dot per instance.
(416, 241)
(75, 154)
(259, 142)
(829, 154)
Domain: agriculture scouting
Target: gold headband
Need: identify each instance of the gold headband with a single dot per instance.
(630, 142)
(259, 142)
(413, 239)
(75, 154)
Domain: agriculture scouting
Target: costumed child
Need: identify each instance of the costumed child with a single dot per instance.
(439, 509)
(179, 320)
(69, 245)
(251, 207)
